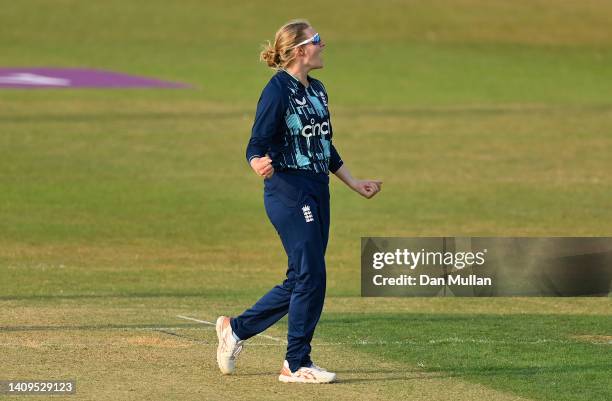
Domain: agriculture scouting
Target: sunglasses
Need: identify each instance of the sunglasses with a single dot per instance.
(316, 40)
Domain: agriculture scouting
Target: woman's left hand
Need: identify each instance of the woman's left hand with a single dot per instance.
(367, 188)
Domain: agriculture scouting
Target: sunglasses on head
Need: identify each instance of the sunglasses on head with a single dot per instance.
(315, 40)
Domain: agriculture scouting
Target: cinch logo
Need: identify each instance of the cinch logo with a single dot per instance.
(316, 129)
(307, 214)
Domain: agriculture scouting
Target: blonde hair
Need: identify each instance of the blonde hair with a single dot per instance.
(280, 54)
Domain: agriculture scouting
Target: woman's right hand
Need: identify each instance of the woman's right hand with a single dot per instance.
(262, 166)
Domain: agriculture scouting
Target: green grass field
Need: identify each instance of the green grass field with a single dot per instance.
(121, 209)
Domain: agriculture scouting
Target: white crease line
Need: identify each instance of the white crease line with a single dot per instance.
(159, 328)
(195, 320)
(213, 324)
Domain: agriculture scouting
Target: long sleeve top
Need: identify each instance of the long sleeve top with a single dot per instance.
(292, 126)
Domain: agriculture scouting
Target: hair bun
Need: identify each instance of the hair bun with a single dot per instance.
(270, 56)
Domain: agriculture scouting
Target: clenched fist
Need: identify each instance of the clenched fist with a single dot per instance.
(367, 188)
(262, 166)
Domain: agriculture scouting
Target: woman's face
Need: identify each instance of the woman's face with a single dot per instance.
(311, 53)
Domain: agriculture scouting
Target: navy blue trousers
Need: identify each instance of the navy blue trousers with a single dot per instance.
(297, 204)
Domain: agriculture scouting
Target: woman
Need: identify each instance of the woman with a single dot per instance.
(291, 148)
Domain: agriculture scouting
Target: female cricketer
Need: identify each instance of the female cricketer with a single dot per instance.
(291, 148)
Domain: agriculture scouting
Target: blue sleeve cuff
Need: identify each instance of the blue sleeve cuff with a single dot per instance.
(335, 161)
(249, 158)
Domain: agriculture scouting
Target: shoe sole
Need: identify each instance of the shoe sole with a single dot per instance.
(218, 328)
(288, 379)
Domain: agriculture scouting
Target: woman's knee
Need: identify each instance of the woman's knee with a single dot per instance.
(312, 282)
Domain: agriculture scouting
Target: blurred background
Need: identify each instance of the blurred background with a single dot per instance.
(129, 206)
(482, 118)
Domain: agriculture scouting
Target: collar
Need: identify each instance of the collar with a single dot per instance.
(297, 80)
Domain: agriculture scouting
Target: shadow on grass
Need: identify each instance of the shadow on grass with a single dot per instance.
(523, 370)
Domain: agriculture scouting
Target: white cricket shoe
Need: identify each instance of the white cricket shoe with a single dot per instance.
(228, 348)
(313, 374)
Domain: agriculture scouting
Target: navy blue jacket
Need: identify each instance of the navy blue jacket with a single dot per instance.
(292, 126)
